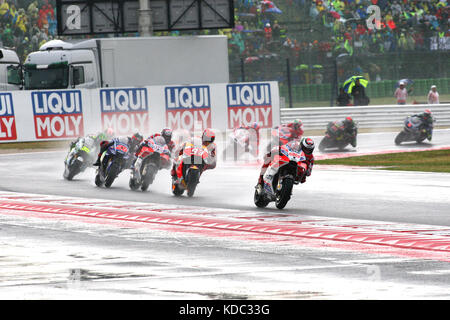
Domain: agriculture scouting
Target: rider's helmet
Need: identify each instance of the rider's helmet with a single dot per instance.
(105, 135)
(208, 136)
(255, 126)
(307, 145)
(348, 122)
(166, 133)
(135, 139)
(427, 114)
(297, 125)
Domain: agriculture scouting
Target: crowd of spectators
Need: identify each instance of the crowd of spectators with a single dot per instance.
(326, 28)
(26, 24)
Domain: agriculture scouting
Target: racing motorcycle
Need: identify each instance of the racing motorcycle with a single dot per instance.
(113, 161)
(81, 156)
(335, 137)
(239, 141)
(287, 168)
(412, 131)
(153, 156)
(190, 166)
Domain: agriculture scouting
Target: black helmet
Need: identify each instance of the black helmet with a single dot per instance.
(307, 145)
(136, 138)
(166, 133)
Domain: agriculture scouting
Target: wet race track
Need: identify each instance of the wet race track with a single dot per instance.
(347, 233)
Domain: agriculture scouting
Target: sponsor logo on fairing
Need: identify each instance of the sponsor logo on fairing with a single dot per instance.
(188, 107)
(57, 114)
(125, 110)
(7, 119)
(249, 103)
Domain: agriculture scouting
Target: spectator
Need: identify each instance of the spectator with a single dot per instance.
(343, 98)
(433, 95)
(401, 94)
(359, 94)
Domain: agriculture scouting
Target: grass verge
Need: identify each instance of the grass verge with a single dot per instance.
(426, 161)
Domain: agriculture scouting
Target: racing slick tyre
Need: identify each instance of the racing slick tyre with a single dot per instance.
(148, 177)
(133, 184)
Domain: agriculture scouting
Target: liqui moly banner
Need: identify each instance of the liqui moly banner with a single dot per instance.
(125, 110)
(57, 114)
(7, 119)
(188, 107)
(249, 103)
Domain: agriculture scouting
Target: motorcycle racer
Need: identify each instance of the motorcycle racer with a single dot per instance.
(305, 144)
(427, 122)
(166, 133)
(207, 141)
(343, 129)
(132, 143)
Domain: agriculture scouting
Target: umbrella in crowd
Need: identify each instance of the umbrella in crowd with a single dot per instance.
(405, 81)
(269, 6)
(350, 83)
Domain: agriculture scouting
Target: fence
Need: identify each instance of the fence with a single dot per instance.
(366, 117)
(316, 76)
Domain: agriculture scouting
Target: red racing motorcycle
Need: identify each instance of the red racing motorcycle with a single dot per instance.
(153, 156)
(189, 168)
(286, 169)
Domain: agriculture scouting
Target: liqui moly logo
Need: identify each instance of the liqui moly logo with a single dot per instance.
(57, 114)
(188, 107)
(7, 119)
(249, 103)
(125, 110)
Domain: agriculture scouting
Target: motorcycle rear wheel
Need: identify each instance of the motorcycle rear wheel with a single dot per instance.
(285, 193)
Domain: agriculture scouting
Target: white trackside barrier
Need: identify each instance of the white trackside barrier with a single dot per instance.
(366, 116)
(44, 115)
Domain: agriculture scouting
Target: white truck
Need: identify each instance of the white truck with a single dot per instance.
(123, 62)
(10, 78)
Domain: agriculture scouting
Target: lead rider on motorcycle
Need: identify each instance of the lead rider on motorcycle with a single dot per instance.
(307, 146)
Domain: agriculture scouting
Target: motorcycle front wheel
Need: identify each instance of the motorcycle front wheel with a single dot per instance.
(113, 172)
(400, 138)
(192, 178)
(284, 194)
(259, 198)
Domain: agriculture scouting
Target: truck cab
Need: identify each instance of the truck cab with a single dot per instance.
(10, 71)
(57, 66)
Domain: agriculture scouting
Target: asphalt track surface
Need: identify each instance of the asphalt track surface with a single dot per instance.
(60, 256)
